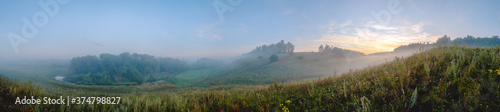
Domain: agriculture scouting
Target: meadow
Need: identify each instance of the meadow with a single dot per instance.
(441, 79)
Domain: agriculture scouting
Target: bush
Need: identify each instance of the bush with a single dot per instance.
(273, 58)
(300, 57)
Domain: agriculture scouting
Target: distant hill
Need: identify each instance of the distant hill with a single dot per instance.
(258, 70)
(441, 79)
(469, 41)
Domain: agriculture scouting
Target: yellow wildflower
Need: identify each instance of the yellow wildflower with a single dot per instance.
(285, 109)
(490, 70)
(281, 105)
(288, 101)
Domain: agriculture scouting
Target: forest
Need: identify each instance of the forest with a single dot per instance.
(469, 41)
(477, 41)
(278, 48)
(335, 51)
(125, 68)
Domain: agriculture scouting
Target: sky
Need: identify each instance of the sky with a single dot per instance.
(62, 29)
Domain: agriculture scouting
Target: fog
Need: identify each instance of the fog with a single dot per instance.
(49, 34)
(247, 55)
(192, 30)
(325, 66)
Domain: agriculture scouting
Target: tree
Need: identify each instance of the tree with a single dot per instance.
(85, 64)
(326, 49)
(321, 48)
(265, 49)
(443, 40)
(289, 48)
(273, 58)
(336, 51)
(279, 48)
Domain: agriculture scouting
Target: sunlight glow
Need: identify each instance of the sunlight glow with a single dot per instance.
(374, 38)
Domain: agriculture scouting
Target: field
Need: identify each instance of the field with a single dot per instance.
(191, 78)
(440, 79)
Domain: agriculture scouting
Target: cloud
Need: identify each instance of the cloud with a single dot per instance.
(380, 27)
(374, 37)
(217, 30)
(417, 27)
(332, 26)
(347, 23)
(208, 31)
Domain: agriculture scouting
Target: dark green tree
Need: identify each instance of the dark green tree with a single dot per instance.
(278, 48)
(273, 58)
(445, 40)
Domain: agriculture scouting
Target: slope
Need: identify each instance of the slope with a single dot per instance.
(441, 79)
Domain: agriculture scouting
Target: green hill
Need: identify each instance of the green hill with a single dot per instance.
(441, 79)
(301, 66)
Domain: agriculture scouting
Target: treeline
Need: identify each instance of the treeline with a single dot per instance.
(477, 42)
(413, 46)
(335, 51)
(125, 68)
(278, 48)
(445, 40)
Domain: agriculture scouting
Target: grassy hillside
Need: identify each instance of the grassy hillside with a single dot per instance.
(441, 79)
(193, 77)
(303, 66)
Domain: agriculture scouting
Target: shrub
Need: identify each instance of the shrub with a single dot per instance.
(273, 58)
(301, 57)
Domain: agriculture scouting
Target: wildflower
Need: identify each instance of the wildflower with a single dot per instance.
(285, 109)
(288, 101)
(490, 70)
(281, 105)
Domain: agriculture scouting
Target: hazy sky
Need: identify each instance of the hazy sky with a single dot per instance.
(184, 28)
